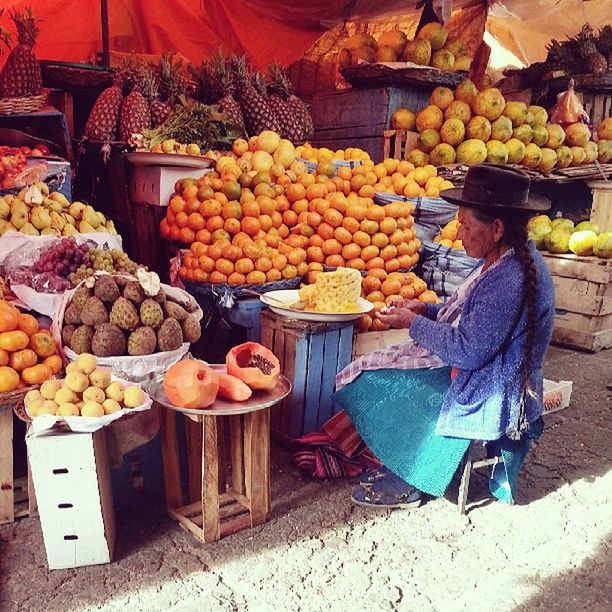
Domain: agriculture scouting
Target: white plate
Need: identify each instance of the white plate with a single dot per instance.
(291, 296)
(145, 158)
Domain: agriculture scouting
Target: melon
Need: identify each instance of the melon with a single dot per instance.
(466, 91)
(431, 117)
(418, 52)
(435, 33)
(516, 112)
(537, 115)
(604, 129)
(582, 242)
(396, 39)
(428, 140)
(603, 245)
(577, 134)
(443, 60)
(578, 156)
(548, 160)
(479, 128)
(524, 133)
(556, 136)
(452, 132)
(564, 156)
(516, 151)
(471, 151)
(254, 365)
(458, 110)
(540, 135)
(190, 383)
(501, 129)
(604, 151)
(442, 155)
(489, 103)
(232, 388)
(533, 156)
(442, 97)
(496, 152)
(462, 62)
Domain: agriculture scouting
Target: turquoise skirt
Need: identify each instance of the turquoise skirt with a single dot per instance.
(395, 413)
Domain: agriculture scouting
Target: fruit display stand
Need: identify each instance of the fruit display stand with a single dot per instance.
(218, 509)
(72, 480)
(311, 354)
(358, 117)
(583, 301)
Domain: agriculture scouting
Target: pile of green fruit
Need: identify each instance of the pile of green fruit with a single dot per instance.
(562, 236)
(36, 212)
(116, 318)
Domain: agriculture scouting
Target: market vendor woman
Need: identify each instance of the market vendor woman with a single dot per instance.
(473, 370)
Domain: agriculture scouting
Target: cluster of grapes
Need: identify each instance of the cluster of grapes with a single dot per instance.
(113, 261)
(63, 258)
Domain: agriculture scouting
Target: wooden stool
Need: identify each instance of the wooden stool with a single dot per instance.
(220, 503)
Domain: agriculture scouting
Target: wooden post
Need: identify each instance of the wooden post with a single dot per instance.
(257, 464)
(170, 457)
(601, 211)
(105, 35)
(210, 480)
(237, 453)
(7, 504)
(193, 438)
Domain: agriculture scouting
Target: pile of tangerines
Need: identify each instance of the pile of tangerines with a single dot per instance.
(278, 223)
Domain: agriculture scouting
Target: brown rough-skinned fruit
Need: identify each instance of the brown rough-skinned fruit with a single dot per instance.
(67, 334)
(72, 315)
(151, 314)
(94, 312)
(170, 335)
(80, 296)
(134, 292)
(108, 341)
(124, 315)
(80, 341)
(106, 289)
(142, 341)
(173, 310)
(192, 329)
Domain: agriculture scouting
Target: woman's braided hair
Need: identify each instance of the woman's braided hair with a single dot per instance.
(515, 236)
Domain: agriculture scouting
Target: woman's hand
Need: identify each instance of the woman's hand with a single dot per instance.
(416, 306)
(400, 318)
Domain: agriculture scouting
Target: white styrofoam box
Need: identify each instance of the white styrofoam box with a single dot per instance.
(72, 484)
(556, 395)
(155, 184)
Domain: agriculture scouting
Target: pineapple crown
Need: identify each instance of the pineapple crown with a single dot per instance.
(170, 75)
(604, 42)
(279, 83)
(137, 75)
(26, 24)
(586, 40)
(205, 84)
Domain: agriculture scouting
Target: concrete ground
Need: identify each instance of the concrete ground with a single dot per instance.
(319, 552)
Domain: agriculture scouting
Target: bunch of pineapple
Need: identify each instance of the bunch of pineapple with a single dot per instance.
(142, 97)
(586, 52)
(21, 76)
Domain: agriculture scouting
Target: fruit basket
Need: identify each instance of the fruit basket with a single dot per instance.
(15, 106)
(225, 291)
(66, 75)
(370, 75)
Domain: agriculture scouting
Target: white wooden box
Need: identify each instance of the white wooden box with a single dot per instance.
(75, 501)
(557, 395)
(155, 184)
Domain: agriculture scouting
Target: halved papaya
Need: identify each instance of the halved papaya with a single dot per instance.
(191, 384)
(253, 364)
(232, 388)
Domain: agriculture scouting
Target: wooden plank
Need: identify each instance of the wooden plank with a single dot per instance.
(257, 464)
(280, 347)
(601, 209)
(314, 374)
(353, 107)
(289, 370)
(331, 344)
(7, 506)
(237, 452)
(238, 523)
(295, 404)
(186, 524)
(367, 342)
(170, 457)
(210, 480)
(582, 296)
(580, 322)
(579, 268)
(589, 341)
(221, 476)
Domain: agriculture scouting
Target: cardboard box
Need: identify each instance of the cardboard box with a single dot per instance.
(75, 501)
(155, 184)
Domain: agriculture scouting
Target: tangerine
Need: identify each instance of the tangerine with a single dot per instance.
(351, 251)
(334, 261)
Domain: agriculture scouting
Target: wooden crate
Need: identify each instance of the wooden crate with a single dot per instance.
(399, 143)
(601, 210)
(598, 106)
(17, 497)
(583, 301)
(246, 314)
(358, 117)
(372, 341)
(310, 354)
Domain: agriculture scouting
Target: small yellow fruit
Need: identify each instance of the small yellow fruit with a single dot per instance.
(71, 367)
(86, 363)
(92, 409)
(100, 377)
(133, 397)
(33, 400)
(65, 396)
(110, 406)
(49, 388)
(77, 381)
(93, 394)
(115, 391)
(68, 409)
(47, 407)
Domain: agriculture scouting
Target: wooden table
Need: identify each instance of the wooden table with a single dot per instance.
(220, 502)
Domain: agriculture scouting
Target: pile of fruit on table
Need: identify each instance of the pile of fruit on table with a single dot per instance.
(468, 126)
(431, 47)
(261, 217)
(563, 236)
(28, 355)
(448, 235)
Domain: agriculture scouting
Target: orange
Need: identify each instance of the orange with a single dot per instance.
(390, 287)
(392, 265)
(375, 262)
(315, 254)
(289, 272)
(380, 240)
(235, 278)
(54, 362)
(369, 227)
(290, 218)
(225, 266)
(251, 208)
(375, 296)
(232, 226)
(266, 205)
(326, 231)
(350, 224)
(361, 238)
(199, 276)
(334, 261)
(187, 235)
(214, 251)
(250, 226)
(332, 247)
(177, 204)
(196, 222)
(369, 252)
(314, 219)
(256, 277)
(214, 223)
(345, 173)
(342, 235)
(321, 205)
(295, 192)
(217, 277)
(375, 213)
(407, 292)
(316, 191)
(206, 263)
(356, 211)
(357, 263)
(302, 268)
(220, 234)
(351, 251)
(210, 208)
(396, 237)
(405, 261)
(379, 273)
(265, 222)
(193, 205)
(279, 261)
(333, 217)
(388, 252)
(367, 191)
(244, 265)
(388, 225)
(263, 264)
(273, 275)
(20, 360)
(231, 252)
(370, 283)
(316, 240)
(197, 248)
(357, 182)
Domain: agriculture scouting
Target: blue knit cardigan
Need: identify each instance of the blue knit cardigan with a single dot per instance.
(483, 401)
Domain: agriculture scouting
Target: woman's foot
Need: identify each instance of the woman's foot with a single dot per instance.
(369, 478)
(388, 492)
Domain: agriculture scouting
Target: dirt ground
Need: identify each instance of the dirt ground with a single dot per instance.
(319, 552)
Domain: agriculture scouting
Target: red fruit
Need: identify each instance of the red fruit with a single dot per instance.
(191, 384)
(254, 364)
(232, 388)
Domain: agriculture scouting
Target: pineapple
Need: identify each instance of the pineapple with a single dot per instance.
(253, 102)
(172, 86)
(21, 75)
(604, 44)
(135, 115)
(104, 117)
(565, 56)
(295, 120)
(596, 63)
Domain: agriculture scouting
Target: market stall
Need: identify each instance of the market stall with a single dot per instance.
(225, 249)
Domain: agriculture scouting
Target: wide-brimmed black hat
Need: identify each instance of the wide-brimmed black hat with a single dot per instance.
(496, 187)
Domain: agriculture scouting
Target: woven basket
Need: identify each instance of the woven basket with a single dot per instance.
(219, 290)
(76, 76)
(14, 106)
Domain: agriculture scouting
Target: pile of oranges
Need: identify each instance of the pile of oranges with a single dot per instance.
(323, 154)
(382, 289)
(448, 235)
(401, 177)
(28, 356)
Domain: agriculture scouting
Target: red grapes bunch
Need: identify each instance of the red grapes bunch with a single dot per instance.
(63, 258)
